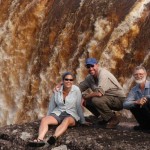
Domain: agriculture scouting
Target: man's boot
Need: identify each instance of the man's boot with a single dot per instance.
(113, 122)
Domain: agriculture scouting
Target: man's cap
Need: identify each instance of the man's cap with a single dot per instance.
(91, 61)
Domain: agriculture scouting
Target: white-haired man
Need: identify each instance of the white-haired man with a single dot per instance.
(138, 99)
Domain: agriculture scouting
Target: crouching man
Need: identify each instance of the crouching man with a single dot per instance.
(138, 99)
(107, 94)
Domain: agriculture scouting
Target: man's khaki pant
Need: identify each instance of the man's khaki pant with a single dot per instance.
(105, 105)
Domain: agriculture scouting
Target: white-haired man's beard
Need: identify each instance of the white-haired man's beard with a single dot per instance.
(139, 81)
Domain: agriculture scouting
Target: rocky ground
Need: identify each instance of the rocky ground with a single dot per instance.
(94, 137)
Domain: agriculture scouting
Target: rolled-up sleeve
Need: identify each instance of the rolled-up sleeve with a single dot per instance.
(103, 84)
(79, 108)
(130, 100)
(105, 81)
(83, 85)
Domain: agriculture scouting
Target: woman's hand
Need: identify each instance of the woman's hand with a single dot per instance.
(86, 123)
(57, 87)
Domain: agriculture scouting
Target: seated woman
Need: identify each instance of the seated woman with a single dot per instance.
(64, 110)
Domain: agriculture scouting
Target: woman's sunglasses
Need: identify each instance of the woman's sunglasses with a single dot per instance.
(66, 79)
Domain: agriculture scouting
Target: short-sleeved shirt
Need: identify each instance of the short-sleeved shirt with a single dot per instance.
(106, 83)
(72, 103)
(136, 94)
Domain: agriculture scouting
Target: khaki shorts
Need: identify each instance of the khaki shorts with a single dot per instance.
(62, 116)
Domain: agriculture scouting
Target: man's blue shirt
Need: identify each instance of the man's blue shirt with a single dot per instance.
(136, 94)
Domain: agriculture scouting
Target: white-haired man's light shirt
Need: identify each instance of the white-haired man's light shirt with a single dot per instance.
(136, 94)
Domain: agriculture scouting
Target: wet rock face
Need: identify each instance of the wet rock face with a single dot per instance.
(78, 138)
(39, 40)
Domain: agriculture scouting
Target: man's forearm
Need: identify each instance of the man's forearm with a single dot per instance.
(93, 94)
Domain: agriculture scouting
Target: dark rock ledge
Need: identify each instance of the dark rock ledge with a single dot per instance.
(94, 137)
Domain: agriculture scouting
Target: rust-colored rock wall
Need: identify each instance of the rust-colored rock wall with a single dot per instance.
(40, 39)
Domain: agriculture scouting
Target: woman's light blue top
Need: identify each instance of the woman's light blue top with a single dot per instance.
(72, 103)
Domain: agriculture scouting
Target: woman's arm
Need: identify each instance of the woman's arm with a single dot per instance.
(52, 104)
(79, 107)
